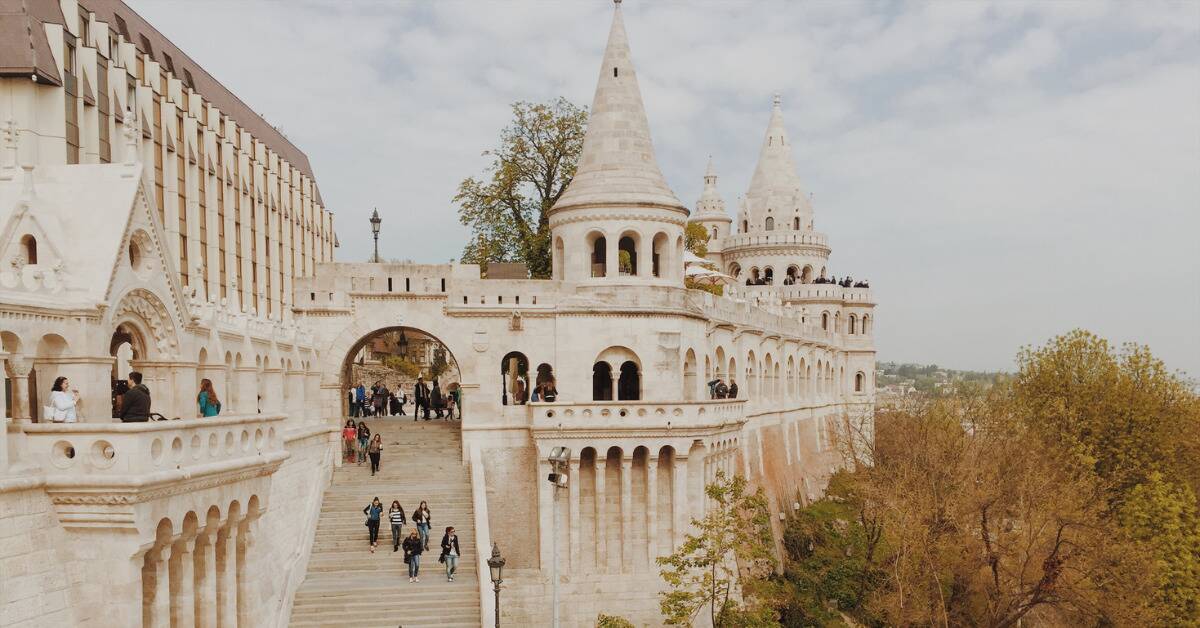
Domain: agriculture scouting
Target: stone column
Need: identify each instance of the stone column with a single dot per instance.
(645, 258)
(651, 510)
(611, 268)
(626, 513)
(185, 604)
(227, 581)
(247, 612)
(601, 549)
(20, 369)
(160, 616)
(312, 396)
(574, 524)
(679, 501)
(206, 580)
(244, 399)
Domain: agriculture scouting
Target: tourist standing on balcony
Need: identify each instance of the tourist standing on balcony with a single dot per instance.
(373, 511)
(62, 402)
(732, 388)
(450, 553)
(423, 519)
(412, 555)
(373, 450)
(210, 405)
(350, 439)
(712, 388)
(364, 437)
(421, 397)
(135, 405)
(397, 519)
(721, 391)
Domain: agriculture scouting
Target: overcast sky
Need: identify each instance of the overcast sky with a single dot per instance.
(1000, 172)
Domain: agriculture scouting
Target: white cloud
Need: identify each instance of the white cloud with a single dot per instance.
(1001, 172)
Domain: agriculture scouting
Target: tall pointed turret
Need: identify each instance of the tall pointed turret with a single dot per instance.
(775, 191)
(710, 212)
(617, 165)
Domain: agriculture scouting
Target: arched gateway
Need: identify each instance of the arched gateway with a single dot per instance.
(391, 362)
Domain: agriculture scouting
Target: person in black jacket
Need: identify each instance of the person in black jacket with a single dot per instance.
(450, 553)
(412, 556)
(437, 400)
(732, 389)
(421, 397)
(373, 511)
(135, 405)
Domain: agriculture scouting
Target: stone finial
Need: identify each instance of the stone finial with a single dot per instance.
(777, 100)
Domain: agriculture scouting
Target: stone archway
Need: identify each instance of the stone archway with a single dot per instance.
(397, 357)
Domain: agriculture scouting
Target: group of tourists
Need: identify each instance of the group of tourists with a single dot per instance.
(358, 445)
(545, 391)
(846, 282)
(717, 389)
(417, 541)
(379, 401)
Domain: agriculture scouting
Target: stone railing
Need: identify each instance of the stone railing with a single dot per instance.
(684, 419)
(780, 238)
(138, 454)
(813, 292)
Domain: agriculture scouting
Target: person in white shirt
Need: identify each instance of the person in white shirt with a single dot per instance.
(63, 401)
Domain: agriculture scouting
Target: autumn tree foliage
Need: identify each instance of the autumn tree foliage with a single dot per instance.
(507, 206)
(1065, 497)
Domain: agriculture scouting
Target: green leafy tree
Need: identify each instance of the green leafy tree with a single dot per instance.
(704, 572)
(506, 207)
(439, 364)
(695, 239)
(613, 621)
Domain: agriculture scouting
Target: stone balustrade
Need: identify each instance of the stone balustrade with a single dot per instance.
(156, 450)
(780, 238)
(687, 420)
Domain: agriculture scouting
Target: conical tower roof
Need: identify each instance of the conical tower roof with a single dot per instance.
(775, 174)
(711, 205)
(617, 165)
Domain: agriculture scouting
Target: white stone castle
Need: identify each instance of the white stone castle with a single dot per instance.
(150, 221)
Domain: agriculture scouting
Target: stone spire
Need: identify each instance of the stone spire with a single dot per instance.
(617, 165)
(710, 202)
(776, 171)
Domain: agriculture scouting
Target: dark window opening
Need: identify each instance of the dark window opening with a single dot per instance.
(389, 284)
(614, 73)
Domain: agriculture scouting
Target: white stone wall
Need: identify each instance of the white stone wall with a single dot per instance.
(34, 576)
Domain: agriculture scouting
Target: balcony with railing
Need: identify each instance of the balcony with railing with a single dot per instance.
(624, 423)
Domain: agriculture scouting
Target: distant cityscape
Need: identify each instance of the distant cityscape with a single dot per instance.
(895, 379)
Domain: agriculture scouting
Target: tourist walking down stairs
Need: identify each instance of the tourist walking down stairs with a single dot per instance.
(373, 511)
(364, 436)
(412, 556)
(350, 440)
(373, 450)
(450, 553)
(396, 517)
(423, 519)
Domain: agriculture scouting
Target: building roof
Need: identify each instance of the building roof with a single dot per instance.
(711, 205)
(775, 174)
(24, 50)
(24, 18)
(617, 164)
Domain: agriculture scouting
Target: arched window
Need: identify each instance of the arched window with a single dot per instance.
(545, 376)
(629, 386)
(514, 378)
(745, 226)
(860, 382)
(796, 223)
(599, 256)
(769, 275)
(602, 381)
(825, 321)
(806, 275)
(714, 234)
(792, 274)
(770, 225)
(29, 245)
(866, 324)
(735, 271)
(627, 257)
(853, 324)
(558, 261)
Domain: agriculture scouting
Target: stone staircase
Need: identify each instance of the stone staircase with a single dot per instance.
(346, 585)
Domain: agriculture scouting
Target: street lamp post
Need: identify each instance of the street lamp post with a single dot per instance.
(375, 220)
(496, 567)
(560, 459)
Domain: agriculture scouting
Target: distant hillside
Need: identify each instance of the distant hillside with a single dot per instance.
(928, 378)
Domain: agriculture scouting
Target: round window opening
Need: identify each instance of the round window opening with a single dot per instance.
(139, 248)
